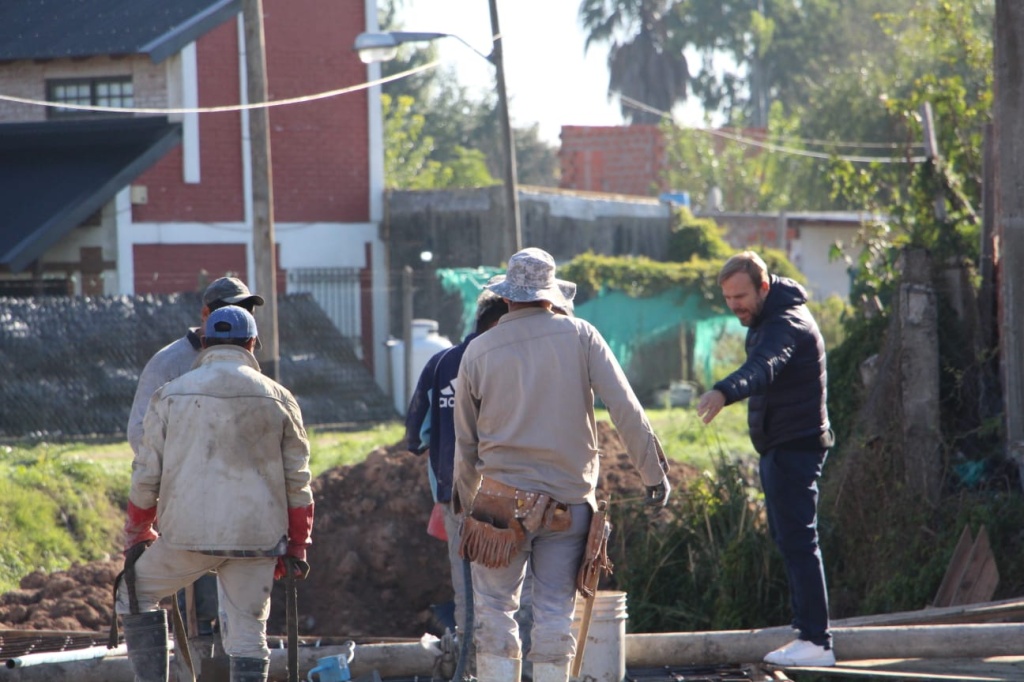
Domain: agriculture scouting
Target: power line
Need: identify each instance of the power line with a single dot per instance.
(231, 107)
(769, 146)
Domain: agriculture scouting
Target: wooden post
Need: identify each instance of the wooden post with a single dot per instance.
(409, 382)
(262, 188)
(512, 227)
(931, 150)
(988, 395)
(1009, 202)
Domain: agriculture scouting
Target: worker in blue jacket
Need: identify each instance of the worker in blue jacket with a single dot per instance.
(430, 428)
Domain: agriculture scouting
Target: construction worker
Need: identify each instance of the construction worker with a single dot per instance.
(224, 466)
(170, 362)
(527, 464)
(430, 428)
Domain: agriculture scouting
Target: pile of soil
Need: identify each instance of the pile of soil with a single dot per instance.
(375, 571)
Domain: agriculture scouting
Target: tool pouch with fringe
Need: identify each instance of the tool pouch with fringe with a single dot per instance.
(491, 535)
(595, 557)
(495, 530)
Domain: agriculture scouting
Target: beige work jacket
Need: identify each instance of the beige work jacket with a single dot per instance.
(223, 456)
(524, 408)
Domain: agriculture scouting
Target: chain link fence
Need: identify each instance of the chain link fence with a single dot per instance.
(69, 366)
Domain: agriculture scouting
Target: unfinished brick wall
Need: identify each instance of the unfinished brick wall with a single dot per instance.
(615, 159)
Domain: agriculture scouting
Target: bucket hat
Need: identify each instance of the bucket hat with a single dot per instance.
(531, 277)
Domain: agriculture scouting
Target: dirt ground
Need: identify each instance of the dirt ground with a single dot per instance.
(374, 570)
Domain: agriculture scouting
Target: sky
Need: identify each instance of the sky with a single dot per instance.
(548, 78)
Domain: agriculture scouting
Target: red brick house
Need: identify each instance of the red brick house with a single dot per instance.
(158, 201)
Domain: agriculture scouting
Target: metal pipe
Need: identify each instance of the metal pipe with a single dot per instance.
(855, 643)
(62, 656)
(406, 659)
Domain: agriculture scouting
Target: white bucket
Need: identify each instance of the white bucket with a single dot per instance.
(604, 658)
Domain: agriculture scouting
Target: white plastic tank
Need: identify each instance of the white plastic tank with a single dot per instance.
(425, 343)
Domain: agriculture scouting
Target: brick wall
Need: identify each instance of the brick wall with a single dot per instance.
(319, 149)
(27, 79)
(172, 268)
(615, 159)
(218, 197)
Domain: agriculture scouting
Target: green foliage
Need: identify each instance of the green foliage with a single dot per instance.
(56, 509)
(943, 57)
(831, 315)
(462, 125)
(407, 152)
(696, 238)
(641, 276)
(705, 562)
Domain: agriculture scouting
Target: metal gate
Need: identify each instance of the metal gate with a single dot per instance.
(337, 292)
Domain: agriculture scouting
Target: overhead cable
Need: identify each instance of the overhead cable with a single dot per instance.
(230, 107)
(769, 146)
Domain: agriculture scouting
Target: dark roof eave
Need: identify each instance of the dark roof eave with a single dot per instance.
(53, 230)
(175, 41)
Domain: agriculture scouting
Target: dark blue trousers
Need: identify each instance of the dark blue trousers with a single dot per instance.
(790, 481)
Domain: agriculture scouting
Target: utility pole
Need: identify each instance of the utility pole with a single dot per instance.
(931, 150)
(1009, 207)
(512, 224)
(262, 187)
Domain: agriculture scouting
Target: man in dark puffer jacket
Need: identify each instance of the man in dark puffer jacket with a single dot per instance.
(784, 378)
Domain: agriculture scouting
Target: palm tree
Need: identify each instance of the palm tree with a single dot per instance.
(642, 62)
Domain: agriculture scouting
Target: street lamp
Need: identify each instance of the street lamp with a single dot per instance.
(375, 47)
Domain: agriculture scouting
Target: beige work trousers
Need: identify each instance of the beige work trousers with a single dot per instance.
(244, 585)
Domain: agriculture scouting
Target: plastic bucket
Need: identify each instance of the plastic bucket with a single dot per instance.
(604, 659)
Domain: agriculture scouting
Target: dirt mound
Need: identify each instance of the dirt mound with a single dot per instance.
(375, 571)
(76, 599)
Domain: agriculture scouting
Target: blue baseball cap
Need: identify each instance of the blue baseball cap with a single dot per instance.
(231, 322)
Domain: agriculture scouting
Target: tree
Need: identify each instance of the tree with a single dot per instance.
(751, 53)
(463, 127)
(643, 62)
(861, 109)
(407, 152)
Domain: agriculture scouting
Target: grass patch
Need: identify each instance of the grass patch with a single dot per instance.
(685, 438)
(330, 449)
(56, 508)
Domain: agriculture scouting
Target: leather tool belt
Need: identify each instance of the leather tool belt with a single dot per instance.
(595, 557)
(495, 529)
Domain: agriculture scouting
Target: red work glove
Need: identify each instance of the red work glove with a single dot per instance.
(300, 528)
(139, 526)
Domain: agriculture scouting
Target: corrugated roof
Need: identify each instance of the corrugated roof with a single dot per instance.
(57, 29)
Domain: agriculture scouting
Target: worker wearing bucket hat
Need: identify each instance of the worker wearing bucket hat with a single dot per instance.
(527, 463)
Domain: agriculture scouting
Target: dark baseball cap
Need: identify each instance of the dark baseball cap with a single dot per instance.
(231, 322)
(230, 290)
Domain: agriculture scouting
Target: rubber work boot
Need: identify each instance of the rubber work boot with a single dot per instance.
(145, 635)
(249, 669)
(491, 668)
(550, 672)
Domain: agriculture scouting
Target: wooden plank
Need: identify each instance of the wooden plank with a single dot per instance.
(874, 673)
(981, 576)
(1006, 609)
(994, 668)
(950, 581)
